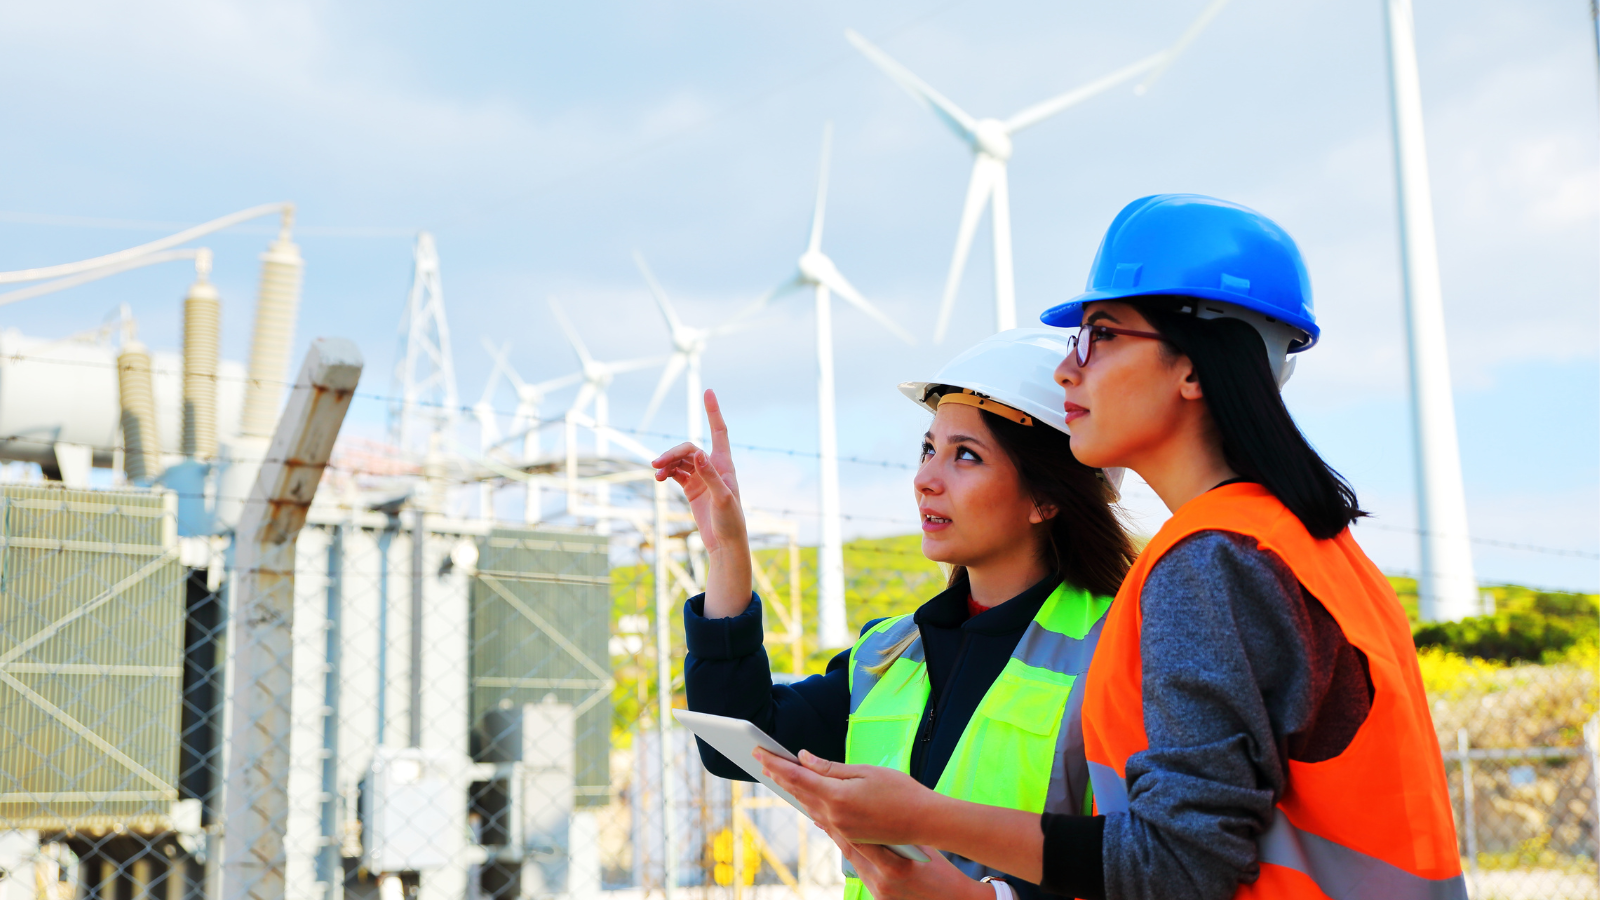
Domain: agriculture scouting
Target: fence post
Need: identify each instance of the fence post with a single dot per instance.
(419, 540)
(669, 844)
(259, 690)
(1469, 805)
(1591, 739)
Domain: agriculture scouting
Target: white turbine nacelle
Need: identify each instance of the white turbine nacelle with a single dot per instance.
(990, 140)
(816, 268)
(990, 136)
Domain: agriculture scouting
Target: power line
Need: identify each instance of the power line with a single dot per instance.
(354, 231)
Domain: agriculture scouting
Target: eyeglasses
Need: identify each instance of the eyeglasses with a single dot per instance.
(1083, 342)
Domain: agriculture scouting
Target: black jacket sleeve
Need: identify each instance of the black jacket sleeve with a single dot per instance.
(726, 673)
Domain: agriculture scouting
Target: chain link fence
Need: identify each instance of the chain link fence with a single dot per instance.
(471, 716)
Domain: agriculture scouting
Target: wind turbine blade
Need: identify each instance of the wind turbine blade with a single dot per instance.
(760, 303)
(731, 326)
(814, 243)
(1172, 53)
(836, 282)
(556, 384)
(665, 305)
(572, 334)
(953, 116)
(978, 190)
(669, 375)
(633, 365)
(499, 357)
(1038, 112)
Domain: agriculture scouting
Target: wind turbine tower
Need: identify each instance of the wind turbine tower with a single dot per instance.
(1447, 588)
(424, 384)
(990, 140)
(816, 271)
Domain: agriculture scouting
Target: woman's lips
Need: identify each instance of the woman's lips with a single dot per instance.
(931, 522)
(1074, 411)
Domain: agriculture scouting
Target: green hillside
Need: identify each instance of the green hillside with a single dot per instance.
(890, 576)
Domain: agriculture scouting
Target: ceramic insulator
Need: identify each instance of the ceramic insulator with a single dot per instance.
(141, 442)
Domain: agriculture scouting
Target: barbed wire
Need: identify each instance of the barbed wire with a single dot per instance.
(448, 480)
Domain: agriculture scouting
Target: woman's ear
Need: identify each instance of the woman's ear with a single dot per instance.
(1042, 513)
(1189, 387)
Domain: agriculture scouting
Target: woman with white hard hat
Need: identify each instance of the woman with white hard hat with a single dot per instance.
(977, 695)
(1254, 718)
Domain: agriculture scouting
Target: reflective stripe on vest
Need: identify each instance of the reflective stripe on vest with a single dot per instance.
(1023, 746)
(1339, 871)
(1391, 838)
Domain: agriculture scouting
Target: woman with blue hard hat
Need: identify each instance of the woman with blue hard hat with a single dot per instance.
(1254, 718)
(977, 694)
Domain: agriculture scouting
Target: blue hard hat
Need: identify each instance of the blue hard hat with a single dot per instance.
(1196, 246)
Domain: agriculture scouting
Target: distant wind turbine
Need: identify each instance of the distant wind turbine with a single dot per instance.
(990, 140)
(597, 378)
(524, 420)
(688, 344)
(817, 271)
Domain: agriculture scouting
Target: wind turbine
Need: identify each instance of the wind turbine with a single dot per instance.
(816, 271)
(524, 420)
(597, 377)
(688, 344)
(990, 140)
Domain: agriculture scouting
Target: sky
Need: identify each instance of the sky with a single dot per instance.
(543, 143)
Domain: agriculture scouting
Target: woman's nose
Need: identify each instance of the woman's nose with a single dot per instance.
(1068, 371)
(925, 482)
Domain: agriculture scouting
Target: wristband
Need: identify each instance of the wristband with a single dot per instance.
(1002, 891)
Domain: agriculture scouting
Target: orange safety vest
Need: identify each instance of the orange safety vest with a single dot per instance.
(1373, 822)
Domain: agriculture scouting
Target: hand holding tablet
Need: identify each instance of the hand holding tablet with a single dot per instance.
(737, 739)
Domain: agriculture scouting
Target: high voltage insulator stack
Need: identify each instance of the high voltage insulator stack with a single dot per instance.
(276, 306)
(141, 442)
(202, 326)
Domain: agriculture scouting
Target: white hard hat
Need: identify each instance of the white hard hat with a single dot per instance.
(1017, 369)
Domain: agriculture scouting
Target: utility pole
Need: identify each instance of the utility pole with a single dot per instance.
(1446, 586)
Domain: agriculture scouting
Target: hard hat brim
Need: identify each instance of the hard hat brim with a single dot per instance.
(1070, 313)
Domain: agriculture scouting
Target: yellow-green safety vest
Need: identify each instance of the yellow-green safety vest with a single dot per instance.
(1023, 746)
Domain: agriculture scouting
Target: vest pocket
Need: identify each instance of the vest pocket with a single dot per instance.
(881, 741)
(1017, 723)
(1026, 703)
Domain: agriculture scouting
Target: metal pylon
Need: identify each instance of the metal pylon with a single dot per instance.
(424, 384)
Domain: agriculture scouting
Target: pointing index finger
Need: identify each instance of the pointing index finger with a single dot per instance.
(719, 428)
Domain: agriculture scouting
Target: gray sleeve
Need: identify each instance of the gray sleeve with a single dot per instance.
(1226, 676)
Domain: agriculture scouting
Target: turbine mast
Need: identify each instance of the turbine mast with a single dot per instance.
(1446, 587)
(833, 627)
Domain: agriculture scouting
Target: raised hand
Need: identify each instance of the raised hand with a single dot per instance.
(712, 488)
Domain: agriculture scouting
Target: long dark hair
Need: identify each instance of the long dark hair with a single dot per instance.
(1086, 545)
(1260, 440)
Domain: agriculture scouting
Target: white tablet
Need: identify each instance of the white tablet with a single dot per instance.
(737, 739)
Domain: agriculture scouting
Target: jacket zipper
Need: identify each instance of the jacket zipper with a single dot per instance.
(935, 708)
